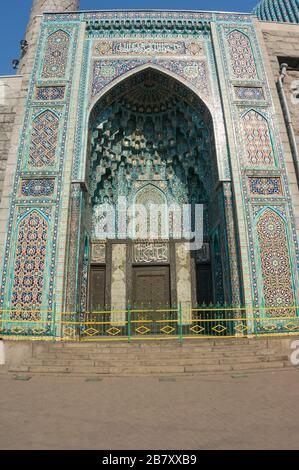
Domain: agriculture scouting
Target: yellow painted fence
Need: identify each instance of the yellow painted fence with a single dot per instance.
(131, 324)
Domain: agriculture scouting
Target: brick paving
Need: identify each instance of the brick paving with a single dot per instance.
(255, 411)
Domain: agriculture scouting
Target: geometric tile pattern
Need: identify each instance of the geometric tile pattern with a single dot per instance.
(249, 93)
(37, 187)
(50, 93)
(275, 263)
(257, 140)
(241, 56)
(56, 56)
(265, 186)
(43, 140)
(29, 266)
(104, 71)
(194, 71)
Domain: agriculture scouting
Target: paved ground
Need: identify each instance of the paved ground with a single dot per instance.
(220, 412)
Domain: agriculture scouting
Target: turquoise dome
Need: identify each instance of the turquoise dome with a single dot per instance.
(278, 10)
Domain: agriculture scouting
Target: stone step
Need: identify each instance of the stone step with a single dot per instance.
(143, 343)
(178, 349)
(155, 361)
(154, 357)
(209, 359)
(244, 366)
(261, 365)
(150, 369)
(163, 345)
(179, 355)
(257, 359)
(110, 363)
(68, 369)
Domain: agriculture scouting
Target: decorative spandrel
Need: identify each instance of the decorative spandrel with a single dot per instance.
(193, 71)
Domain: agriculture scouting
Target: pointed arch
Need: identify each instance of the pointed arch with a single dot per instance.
(241, 55)
(257, 139)
(159, 68)
(273, 209)
(257, 111)
(60, 30)
(42, 111)
(175, 83)
(33, 209)
(157, 194)
(122, 127)
(152, 201)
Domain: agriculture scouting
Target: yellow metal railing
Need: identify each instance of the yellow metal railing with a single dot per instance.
(164, 323)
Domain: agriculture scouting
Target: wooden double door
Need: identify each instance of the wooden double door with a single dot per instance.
(151, 286)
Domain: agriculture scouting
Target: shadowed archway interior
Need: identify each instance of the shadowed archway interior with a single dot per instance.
(152, 139)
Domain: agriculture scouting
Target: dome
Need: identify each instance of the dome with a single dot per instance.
(278, 10)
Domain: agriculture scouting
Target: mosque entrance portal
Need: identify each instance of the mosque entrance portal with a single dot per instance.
(152, 151)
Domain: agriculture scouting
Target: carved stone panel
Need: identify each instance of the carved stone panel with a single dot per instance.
(98, 252)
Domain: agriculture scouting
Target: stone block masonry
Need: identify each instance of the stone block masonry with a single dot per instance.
(9, 92)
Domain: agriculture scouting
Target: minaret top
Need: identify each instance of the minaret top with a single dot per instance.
(39, 6)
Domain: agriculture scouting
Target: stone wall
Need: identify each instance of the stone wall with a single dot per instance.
(282, 40)
(9, 93)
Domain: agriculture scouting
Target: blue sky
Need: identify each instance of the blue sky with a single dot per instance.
(14, 17)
